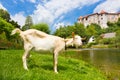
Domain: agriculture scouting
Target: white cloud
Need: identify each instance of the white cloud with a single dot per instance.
(20, 18)
(55, 9)
(58, 25)
(61, 24)
(108, 6)
(2, 7)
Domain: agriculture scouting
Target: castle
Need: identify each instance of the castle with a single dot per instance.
(99, 18)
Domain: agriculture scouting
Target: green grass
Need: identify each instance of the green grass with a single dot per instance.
(41, 68)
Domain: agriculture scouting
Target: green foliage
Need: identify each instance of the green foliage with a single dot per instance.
(107, 41)
(80, 29)
(66, 31)
(62, 32)
(15, 24)
(93, 30)
(90, 44)
(41, 68)
(5, 44)
(42, 27)
(118, 23)
(112, 27)
(118, 38)
(4, 15)
(28, 23)
(5, 27)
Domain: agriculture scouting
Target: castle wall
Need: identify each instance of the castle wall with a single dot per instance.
(99, 18)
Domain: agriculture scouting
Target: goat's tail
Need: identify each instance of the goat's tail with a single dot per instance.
(17, 30)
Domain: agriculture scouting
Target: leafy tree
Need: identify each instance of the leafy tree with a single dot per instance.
(28, 23)
(15, 24)
(118, 22)
(61, 32)
(80, 29)
(66, 31)
(94, 30)
(112, 27)
(118, 35)
(5, 27)
(5, 15)
(42, 27)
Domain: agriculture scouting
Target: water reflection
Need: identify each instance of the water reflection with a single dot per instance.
(107, 60)
(91, 56)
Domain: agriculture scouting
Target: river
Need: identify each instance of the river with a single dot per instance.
(107, 60)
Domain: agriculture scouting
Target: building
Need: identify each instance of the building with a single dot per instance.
(108, 35)
(99, 18)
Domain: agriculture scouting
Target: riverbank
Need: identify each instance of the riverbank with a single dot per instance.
(41, 68)
(105, 59)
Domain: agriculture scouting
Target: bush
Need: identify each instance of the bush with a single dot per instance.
(107, 41)
(4, 44)
(90, 44)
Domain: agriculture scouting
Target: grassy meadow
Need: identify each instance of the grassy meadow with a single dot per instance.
(41, 67)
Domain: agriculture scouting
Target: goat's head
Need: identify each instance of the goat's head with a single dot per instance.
(77, 40)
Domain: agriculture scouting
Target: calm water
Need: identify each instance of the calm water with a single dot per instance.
(107, 60)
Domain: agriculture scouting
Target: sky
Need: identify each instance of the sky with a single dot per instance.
(56, 13)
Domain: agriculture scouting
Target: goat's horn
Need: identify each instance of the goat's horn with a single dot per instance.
(73, 34)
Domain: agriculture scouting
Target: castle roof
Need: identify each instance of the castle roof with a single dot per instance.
(102, 12)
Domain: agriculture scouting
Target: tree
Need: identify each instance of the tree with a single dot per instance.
(112, 27)
(5, 27)
(97, 30)
(5, 15)
(66, 31)
(61, 32)
(91, 31)
(42, 27)
(15, 24)
(28, 23)
(80, 29)
(118, 22)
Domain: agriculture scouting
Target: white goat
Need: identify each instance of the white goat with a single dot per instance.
(38, 40)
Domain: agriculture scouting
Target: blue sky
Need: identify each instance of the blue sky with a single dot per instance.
(56, 12)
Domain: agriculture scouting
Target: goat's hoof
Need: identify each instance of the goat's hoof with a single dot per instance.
(26, 69)
(56, 72)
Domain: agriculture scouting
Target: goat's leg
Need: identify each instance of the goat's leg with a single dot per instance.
(55, 61)
(24, 57)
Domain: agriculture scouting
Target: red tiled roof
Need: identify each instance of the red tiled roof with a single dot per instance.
(102, 12)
